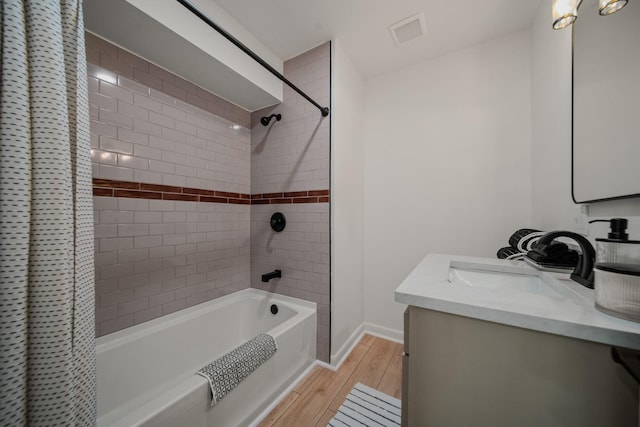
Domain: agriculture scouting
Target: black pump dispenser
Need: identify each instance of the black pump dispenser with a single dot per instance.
(618, 231)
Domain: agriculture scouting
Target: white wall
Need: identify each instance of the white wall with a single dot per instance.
(346, 200)
(447, 163)
(553, 208)
(552, 205)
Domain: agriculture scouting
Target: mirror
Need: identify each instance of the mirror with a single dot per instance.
(606, 104)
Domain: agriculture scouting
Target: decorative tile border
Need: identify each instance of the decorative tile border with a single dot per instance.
(138, 190)
(312, 196)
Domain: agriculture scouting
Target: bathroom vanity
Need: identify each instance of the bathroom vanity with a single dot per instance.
(496, 342)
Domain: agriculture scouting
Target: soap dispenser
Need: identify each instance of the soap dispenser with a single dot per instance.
(617, 248)
(617, 272)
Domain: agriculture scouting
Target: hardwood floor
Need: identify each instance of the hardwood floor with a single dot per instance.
(374, 361)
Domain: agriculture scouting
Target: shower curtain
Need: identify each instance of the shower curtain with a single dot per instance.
(47, 340)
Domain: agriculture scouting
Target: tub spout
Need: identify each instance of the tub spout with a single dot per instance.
(272, 275)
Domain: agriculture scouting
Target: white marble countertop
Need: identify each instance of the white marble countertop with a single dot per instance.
(572, 314)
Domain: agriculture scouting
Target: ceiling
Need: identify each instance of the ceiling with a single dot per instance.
(291, 27)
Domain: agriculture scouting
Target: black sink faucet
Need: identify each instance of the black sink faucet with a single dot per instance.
(583, 272)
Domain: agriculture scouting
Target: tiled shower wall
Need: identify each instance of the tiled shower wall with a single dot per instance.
(171, 168)
(291, 158)
(183, 191)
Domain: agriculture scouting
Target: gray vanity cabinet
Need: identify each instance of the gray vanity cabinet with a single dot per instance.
(460, 371)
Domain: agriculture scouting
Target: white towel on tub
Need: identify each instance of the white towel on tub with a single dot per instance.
(225, 373)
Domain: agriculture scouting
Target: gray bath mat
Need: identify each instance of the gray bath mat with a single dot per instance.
(365, 406)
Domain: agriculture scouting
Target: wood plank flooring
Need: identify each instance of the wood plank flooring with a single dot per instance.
(374, 361)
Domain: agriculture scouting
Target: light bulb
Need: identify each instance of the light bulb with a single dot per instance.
(564, 13)
(607, 7)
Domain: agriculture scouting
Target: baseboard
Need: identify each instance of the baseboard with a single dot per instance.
(365, 328)
(383, 332)
(345, 350)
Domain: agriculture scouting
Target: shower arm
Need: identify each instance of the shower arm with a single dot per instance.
(323, 110)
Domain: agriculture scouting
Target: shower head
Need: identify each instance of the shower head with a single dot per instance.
(266, 119)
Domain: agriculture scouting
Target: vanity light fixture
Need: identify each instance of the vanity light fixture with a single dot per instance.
(607, 7)
(565, 12)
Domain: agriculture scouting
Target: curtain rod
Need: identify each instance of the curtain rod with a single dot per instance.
(323, 110)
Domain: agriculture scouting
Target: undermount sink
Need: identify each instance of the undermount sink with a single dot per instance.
(518, 280)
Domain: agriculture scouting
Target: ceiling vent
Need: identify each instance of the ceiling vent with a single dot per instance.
(408, 29)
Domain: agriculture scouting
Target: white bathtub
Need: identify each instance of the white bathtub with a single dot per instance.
(146, 373)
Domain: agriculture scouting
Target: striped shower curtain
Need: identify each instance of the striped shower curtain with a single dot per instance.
(47, 341)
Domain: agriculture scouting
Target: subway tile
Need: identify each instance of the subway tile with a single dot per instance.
(147, 266)
(143, 101)
(161, 299)
(147, 241)
(133, 112)
(102, 102)
(162, 205)
(104, 204)
(158, 95)
(147, 127)
(113, 325)
(151, 153)
(161, 120)
(101, 74)
(173, 158)
(170, 111)
(113, 64)
(133, 306)
(173, 306)
(161, 73)
(130, 256)
(94, 42)
(174, 135)
(147, 217)
(104, 157)
(171, 179)
(132, 85)
(128, 161)
(147, 289)
(115, 244)
(161, 143)
(105, 230)
(186, 170)
(186, 106)
(115, 92)
(116, 119)
(113, 145)
(161, 252)
(186, 128)
(146, 315)
(115, 217)
(127, 230)
(132, 59)
(137, 138)
(143, 77)
(104, 129)
(146, 176)
(185, 85)
(106, 313)
(160, 166)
